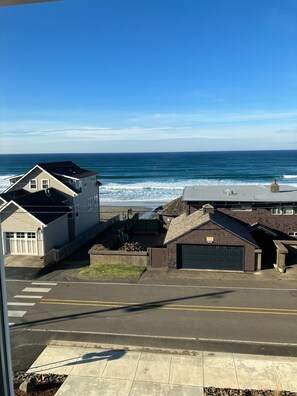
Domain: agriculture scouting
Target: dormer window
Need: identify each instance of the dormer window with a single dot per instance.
(33, 184)
(45, 183)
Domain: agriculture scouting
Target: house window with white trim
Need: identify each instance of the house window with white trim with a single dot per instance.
(276, 211)
(288, 210)
(45, 183)
(283, 210)
(33, 184)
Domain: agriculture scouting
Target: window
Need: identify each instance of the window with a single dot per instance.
(45, 183)
(96, 201)
(31, 235)
(293, 233)
(288, 210)
(276, 211)
(285, 210)
(9, 235)
(33, 184)
(20, 235)
(90, 203)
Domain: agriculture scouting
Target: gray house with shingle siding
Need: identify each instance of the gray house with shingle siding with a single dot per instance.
(208, 239)
(227, 227)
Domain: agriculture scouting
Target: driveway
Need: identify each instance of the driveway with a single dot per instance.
(16, 260)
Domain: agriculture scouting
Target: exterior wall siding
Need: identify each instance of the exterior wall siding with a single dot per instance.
(56, 234)
(39, 175)
(16, 220)
(88, 217)
(220, 237)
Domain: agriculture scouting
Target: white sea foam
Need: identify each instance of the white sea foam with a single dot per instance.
(4, 182)
(290, 176)
(154, 192)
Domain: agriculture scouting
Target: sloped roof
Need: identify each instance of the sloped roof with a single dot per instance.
(8, 196)
(184, 224)
(45, 205)
(66, 168)
(173, 208)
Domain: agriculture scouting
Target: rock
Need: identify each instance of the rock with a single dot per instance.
(28, 385)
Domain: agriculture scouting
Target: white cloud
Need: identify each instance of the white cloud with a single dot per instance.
(278, 129)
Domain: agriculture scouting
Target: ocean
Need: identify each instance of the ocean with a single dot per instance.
(150, 179)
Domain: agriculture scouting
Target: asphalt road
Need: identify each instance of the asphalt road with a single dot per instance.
(237, 319)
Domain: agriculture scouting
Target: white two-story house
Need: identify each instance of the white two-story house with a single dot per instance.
(47, 207)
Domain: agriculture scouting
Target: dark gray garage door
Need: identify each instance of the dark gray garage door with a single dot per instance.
(213, 257)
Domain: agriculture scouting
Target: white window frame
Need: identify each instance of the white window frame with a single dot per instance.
(281, 210)
(293, 233)
(36, 184)
(277, 211)
(48, 183)
(288, 208)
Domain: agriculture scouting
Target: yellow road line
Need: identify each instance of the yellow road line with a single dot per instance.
(197, 308)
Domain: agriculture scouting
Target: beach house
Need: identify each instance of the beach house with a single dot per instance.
(47, 207)
(239, 227)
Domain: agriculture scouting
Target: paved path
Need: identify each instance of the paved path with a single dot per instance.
(94, 369)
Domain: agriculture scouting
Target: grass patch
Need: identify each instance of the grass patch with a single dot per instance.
(112, 271)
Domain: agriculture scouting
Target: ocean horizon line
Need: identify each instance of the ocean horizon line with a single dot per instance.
(152, 152)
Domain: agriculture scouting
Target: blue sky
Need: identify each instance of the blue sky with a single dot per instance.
(149, 75)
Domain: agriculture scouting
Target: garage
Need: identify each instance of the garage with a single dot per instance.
(213, 257)
(20, 243)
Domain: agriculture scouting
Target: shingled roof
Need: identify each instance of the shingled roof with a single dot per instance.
(173, 208)
(45, 205)
(66, 168)
(184, 224)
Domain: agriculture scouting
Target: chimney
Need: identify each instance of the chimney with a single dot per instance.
(207, 208)
(274, 187)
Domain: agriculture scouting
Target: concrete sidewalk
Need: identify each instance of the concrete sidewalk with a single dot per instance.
(107, 370)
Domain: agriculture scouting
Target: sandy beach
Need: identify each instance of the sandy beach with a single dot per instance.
(106, 211)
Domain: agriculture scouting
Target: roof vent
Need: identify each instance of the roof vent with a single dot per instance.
(274, 187)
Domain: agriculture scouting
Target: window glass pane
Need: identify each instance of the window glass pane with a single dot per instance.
(45, 183)
(33, 183)
(288, 210)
